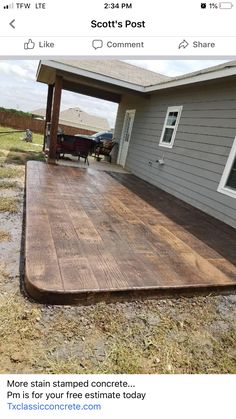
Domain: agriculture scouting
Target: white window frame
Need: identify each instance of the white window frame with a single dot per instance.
(170, 109)
(228, 167)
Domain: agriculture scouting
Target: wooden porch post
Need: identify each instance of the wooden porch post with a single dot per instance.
(48, 111)
(55, 119)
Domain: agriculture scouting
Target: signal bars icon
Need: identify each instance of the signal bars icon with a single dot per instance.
(9, 6)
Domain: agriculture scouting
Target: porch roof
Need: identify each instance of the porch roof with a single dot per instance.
(99, 78)
(108, 79)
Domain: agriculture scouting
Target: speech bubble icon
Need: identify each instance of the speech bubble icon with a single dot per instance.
(97, 43)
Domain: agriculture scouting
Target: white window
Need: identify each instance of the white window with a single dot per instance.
(170, 126)
(228, 181)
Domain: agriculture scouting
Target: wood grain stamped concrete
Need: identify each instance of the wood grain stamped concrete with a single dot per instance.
(93, 235)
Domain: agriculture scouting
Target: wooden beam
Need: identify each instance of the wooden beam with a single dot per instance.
(55, 119)
(48, 111)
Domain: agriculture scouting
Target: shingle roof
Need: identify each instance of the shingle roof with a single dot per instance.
(125, 75)
(76, 117)
(119, 70)
(39, 112)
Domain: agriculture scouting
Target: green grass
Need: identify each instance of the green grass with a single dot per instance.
(7, 184)
(21, 157)
(13, 141)
(15, 151)
(8, 205)
(8, 172)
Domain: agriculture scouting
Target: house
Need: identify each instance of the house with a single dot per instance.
(39, 113)
(176, 133)
(77, 118)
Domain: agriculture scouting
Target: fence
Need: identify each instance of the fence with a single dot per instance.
(22, 122)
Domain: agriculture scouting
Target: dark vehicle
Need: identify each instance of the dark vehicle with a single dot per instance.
(101, 136)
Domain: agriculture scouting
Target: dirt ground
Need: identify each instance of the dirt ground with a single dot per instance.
(176, 335)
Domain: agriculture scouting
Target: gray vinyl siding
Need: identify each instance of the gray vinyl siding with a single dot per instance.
(205, 135)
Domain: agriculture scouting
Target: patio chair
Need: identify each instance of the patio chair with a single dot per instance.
(104, 149)
(82, 148)
(76, 146)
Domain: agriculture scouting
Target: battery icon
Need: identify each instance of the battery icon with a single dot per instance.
(226, 5)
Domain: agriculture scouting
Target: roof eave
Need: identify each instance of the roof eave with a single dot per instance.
(226, 72)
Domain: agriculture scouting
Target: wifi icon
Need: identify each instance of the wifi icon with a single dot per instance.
(9, 6)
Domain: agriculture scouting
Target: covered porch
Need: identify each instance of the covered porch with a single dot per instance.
(93, 235)
(90, 80)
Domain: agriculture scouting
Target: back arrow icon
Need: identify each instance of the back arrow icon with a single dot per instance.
(12, 24)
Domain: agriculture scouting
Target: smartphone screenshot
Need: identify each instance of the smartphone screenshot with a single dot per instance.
(117, 209)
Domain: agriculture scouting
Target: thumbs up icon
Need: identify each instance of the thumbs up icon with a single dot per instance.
(29, 44)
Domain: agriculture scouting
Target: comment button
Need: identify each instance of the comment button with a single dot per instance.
(97, 43)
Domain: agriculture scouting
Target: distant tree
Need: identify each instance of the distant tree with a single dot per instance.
(15, 111)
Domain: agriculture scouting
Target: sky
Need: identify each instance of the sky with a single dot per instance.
(19, 89)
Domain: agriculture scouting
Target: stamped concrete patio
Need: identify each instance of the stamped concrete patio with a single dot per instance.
(95, 235)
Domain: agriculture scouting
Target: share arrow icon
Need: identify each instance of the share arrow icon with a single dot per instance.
(12, 24)
(184, 44)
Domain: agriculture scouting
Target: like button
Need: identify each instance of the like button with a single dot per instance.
(29, 45)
